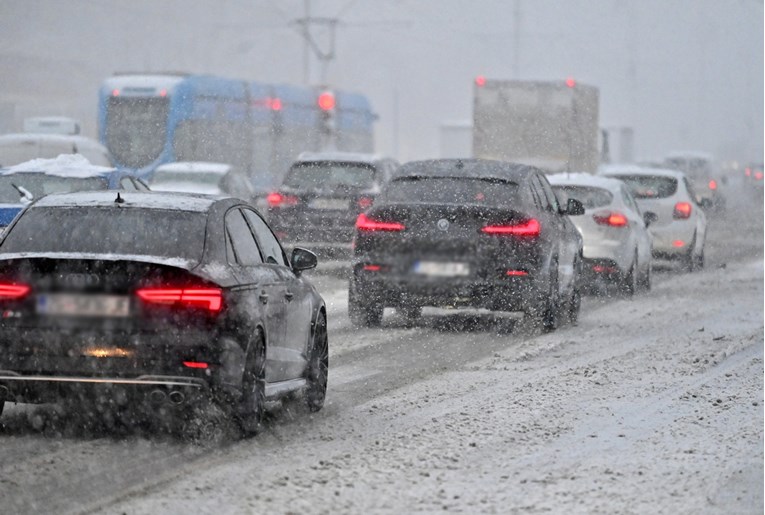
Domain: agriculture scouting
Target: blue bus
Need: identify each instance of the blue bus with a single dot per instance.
(148, 120)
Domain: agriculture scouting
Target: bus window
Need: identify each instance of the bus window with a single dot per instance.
(136, 129)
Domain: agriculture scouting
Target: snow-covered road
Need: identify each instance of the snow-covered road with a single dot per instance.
(649, 405)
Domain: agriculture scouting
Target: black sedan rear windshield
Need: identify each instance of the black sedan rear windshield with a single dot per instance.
(39, 184)
(98, 230)
(451, 190)
(650, 186)
(588, 196)
(328, 175)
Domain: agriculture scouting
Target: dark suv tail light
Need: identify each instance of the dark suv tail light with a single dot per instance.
(530, 227)
(210, 299)
(365, 223)
(281, 200)
(11, 291)
(610, 218)
(682, 211)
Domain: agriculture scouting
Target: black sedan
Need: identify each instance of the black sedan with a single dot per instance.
(470, 233)
(162, 300)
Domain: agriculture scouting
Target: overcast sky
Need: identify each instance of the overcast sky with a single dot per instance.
(684, 74)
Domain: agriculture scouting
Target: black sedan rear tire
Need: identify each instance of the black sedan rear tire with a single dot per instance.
(318, 367)
(252, 403)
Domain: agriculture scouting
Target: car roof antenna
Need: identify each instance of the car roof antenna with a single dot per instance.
(119, 200)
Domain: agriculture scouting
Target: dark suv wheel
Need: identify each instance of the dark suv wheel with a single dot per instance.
(364, 312)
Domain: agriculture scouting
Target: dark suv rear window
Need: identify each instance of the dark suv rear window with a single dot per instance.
(589, 197)
(330, 176)
(98, 230)
(451, 190)
(650, 186)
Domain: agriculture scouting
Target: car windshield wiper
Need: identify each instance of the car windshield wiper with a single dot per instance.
(26, 195)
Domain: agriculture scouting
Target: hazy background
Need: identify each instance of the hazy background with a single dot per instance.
(685, 74)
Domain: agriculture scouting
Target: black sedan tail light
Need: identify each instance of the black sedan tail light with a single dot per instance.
(13, 291)
(210, 299)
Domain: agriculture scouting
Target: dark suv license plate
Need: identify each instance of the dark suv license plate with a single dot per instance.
(83, 305)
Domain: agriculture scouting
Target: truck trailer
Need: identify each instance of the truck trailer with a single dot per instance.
(550, 125)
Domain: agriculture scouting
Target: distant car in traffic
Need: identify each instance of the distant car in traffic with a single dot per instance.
(753, 177)
(201, 177)
(158, 300)
(21, 184)
(617, 243)
(321, 196)
(680, 229)
(703, 175)
(466, 233)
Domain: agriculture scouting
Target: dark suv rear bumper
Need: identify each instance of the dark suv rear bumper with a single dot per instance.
(393, 290)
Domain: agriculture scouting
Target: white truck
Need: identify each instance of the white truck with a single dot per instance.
(550, 125)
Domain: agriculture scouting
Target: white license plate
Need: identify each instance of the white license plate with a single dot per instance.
(83, 305)
(439, 269)
(329, 203)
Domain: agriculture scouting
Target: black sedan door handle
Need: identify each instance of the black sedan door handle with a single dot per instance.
(289, 295)
(263, 298)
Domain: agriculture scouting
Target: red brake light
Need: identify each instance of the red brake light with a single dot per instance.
(163, 92)
(758, 176)
(682, 211)
(480, 81)
(678, 243)
(115, 92)
(570, 82)
(712, 184)
(364, 223)
(278, 200)
(195, 364)
(516, 273)
(10, 291)
(530, 227)
(613, 219)
(208, 298)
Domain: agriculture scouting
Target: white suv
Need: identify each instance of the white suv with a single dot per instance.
(681, 226)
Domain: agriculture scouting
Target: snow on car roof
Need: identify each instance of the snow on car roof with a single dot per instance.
(345, 157)
(585, 179)
(195, 166)
(172, 201)
(65, 165)
(619, 170)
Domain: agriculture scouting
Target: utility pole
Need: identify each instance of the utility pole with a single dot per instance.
(305, 25)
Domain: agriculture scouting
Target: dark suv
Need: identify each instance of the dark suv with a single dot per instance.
(321, 196)
(472, 233)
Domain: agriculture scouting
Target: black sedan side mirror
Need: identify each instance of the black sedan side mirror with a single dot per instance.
(574, 208)
(303, 259)
(650, 217)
